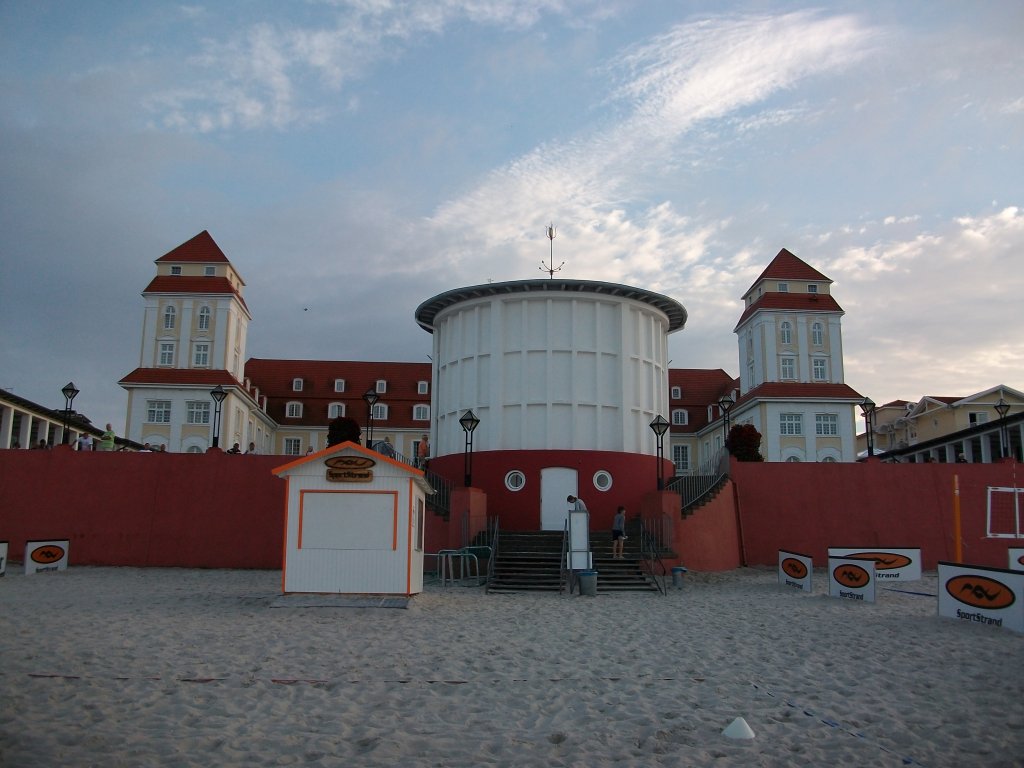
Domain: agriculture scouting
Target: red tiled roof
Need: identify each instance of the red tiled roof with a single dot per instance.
(793, 390)
(183, 284)
(791, 302)
(786, 266)
(200, 377)
(201, 249)
(700, 387)
(274, 379)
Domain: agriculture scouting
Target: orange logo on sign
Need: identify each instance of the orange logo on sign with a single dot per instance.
(851, 576)
(350, 462)
(980, 592)
(46, 554)
(793, 567)
(884, 561)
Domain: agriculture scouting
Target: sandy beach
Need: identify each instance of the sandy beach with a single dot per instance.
(174, 667)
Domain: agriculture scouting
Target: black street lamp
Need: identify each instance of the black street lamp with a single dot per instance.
(868, 409)
(371, 398)
(660, 426)
(469, 423)
(725, 403)
(69, 392)
(218, 394)
(1002, 408)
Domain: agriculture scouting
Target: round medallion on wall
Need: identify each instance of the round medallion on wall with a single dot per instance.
(602, 480)
(515, 480)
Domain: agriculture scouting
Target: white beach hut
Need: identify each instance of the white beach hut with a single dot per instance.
(353, 524)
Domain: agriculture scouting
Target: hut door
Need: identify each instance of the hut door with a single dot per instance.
(555, 484)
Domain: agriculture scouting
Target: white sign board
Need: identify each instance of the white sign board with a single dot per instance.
(579, 542)
(3, 558)
(1017, 558)
(991, 596)
(891, 563)
(49, 555)
(795, 570)
(851, 579)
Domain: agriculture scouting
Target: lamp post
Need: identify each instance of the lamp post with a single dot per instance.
(868, 409)
(725, 403)
(69, 392)
(1002, 408)
(371, 398)
(218, 394)
(469, 423)
(660, 426)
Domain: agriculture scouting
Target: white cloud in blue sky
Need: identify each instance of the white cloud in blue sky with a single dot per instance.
(355, 158)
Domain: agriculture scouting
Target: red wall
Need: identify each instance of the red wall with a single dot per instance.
(807, 508)
(633, 476)
(219, 511)
(210, 510)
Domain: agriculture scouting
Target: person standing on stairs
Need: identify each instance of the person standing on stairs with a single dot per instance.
(618, 533)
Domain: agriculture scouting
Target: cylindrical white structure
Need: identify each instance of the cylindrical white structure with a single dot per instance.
(550, 364)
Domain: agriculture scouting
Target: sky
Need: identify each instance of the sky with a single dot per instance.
(355, 158)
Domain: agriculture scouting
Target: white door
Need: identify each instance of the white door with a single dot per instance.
(555, 484)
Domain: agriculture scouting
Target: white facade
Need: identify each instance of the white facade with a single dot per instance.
(550, 365)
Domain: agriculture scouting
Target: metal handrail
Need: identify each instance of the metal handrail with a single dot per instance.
(649, 557)
(494, 536)
(695, 485)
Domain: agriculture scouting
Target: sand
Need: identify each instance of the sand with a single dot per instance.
(175, 667)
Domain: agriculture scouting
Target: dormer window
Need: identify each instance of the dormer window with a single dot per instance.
(339, 385)
(209, 271)
(423, 387)
(812, 288)
(677, 393)
(382, 386)
(297, 385)
(783, 287)
(175, 270)
(294, 410)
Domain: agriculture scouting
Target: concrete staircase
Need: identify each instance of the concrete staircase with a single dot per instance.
(531, 561)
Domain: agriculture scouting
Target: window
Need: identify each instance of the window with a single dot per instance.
(812, 287)
(175, 270)
(787, 368)
(819, 366)
(380, 411)
(423, 387)
(382, 386)
(169, 315)
(791, 424)
(335, 410)
(783, 287)
(602, 480)
(204, 319)
(786, 333)
(296, 385)
(793, 459)
(977, 417)
(209, 271)
(166, 353)
(201, 356)
(198, 412)
(515, 480)
(817, 335)
(680, 417)
(826, 424)
(158, 411)
(292, 446)
(294, 410)
(339, 385)
(677, 393)
(421, 413)
(681, 457)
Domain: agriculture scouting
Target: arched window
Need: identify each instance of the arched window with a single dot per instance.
(786, 333)
(294, 410)
(204, 319)
(169, 314)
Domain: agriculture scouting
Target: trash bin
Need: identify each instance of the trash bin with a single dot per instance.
(677, 575)
(588, 583)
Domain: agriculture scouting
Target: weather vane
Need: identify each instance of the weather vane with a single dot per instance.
(550, 267)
